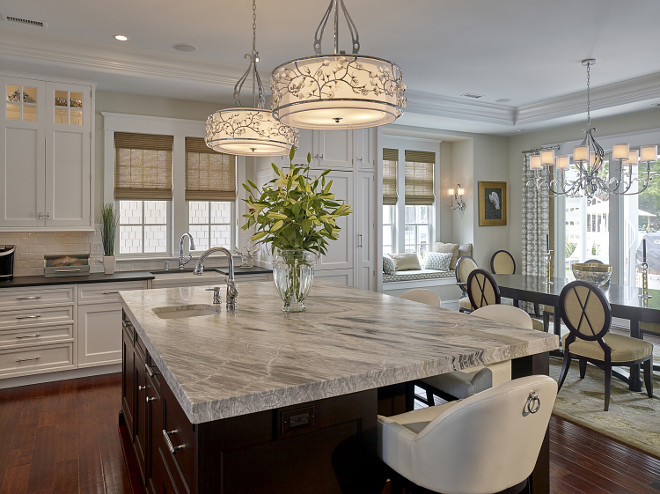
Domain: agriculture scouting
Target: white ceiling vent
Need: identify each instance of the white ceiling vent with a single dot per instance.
(25, 22)
(472, 95)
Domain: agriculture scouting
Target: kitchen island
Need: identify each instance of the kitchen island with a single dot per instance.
(263, 401)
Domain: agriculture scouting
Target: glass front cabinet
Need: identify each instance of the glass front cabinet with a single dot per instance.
(46, 148)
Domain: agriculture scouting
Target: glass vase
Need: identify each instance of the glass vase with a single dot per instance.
(293, 273)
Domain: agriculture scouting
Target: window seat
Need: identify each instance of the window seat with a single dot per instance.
(418, 274)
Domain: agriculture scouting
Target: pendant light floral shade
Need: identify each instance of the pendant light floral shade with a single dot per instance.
(249, 131)
(338, 91)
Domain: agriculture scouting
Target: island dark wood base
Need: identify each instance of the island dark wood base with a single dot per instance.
(326, 446)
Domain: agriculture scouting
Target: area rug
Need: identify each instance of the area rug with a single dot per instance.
(633, 418)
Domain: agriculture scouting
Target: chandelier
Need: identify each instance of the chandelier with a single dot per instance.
(249, 131)
(337, 91)
(588, 161)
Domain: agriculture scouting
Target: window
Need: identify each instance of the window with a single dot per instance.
(408, 221)
(210, 192)
(143, 227)
(143, 189)
(210, 223)
(166, 183)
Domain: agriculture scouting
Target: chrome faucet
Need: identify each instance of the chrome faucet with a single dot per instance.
(232, 291)
(183, 260)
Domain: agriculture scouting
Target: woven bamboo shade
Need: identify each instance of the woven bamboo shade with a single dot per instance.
(210, 176)
(419, 178)
(390, 161)
(143, 166)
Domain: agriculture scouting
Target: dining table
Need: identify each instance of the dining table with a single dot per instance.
(626, 302)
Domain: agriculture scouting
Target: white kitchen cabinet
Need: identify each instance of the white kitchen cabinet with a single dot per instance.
(46, 146)
(98, 328)
(36, 330)
(364, 149)
(332, 149)
(365, 265)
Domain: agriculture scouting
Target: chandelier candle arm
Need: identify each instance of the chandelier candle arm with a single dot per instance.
(249, 131)
(337, 91)
(588, 159)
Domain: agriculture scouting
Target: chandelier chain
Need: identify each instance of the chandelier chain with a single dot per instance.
(254, 27)
(588, 95)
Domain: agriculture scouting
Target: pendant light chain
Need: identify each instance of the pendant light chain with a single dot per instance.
(588, 95)
(254, 28)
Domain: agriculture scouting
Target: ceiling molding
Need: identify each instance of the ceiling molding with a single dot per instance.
(637, 90)
(98, 58)
(444, 106)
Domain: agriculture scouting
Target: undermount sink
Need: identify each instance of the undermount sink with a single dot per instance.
(182, 311)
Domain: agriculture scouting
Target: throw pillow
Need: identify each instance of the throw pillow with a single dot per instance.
(447, 248)
(388, 265)
(464, 250)
(405, 262)
(438, 260)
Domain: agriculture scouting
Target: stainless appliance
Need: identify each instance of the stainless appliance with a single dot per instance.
(66, 265)
(7, 262)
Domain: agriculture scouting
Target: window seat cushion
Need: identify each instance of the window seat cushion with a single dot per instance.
(417, 274)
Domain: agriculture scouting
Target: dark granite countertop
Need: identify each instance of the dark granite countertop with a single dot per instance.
(21, 281)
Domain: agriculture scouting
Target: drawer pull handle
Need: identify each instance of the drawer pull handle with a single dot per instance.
(26, 359)
(32, 297)
(110, 292)
(141, 388)
(33, 316)
(173, 449)
(152, 398)
(21, 336)
(68, 270)
(149, 370)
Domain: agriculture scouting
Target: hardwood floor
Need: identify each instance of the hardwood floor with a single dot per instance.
(63, 438)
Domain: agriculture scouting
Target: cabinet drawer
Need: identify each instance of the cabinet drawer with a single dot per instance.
(15, 298)
(35, 336)
(181, 435)
(36, 317)
(31, 360)
(92, 293)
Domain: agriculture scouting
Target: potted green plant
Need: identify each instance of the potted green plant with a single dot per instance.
(296, 214)
(109, 222)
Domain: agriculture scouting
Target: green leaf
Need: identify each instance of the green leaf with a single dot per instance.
(277, 226)
(292, 152)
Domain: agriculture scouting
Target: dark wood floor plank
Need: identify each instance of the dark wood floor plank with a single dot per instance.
(64, 438)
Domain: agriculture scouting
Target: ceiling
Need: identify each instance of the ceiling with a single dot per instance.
(522, 56)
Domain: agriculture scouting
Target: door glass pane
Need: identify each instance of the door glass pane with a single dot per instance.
(61, 98)
(61, 116)
(587, 232)
(30, 95)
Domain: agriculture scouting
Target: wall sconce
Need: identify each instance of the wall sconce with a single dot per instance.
(457, 195)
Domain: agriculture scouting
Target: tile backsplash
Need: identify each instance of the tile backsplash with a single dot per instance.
(32, 246)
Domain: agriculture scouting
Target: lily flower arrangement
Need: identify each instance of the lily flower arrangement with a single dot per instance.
(294, 211)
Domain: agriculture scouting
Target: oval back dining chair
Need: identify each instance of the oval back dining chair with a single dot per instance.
(485, 443)
(588, 316)
(423, 296)
(463, 268)
(482, 289)
(502, 262)
(505, 313)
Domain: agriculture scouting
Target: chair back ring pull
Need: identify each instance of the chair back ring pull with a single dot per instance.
(533, 403)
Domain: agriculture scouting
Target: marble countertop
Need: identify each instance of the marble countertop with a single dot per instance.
(21, 281)
(349, 340)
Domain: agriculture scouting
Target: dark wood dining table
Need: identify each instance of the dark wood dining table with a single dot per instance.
(626, 303)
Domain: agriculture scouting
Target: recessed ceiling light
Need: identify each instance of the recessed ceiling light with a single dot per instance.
(184, 47)
(121, 37)
(472, 95)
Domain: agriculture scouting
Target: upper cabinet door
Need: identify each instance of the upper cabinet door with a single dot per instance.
(22, 153)
(363, 148)
(332, 149)
(68, 157)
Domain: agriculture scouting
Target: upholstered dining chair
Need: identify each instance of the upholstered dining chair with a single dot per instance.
(423, 296)
(482, 289)
(463, 268)
(485, 443)
(588, 316)
(502, 262)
